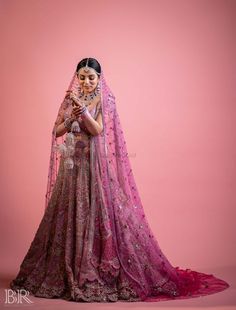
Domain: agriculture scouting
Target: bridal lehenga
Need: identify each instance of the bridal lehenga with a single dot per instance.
(94, 243)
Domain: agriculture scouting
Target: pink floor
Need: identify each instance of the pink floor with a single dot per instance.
(220, 301)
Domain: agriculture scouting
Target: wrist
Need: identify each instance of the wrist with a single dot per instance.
(68, 122)
(84, 113)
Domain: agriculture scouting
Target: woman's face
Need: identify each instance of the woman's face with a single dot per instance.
(88, 80)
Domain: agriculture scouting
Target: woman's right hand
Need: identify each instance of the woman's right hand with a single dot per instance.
(73, 115)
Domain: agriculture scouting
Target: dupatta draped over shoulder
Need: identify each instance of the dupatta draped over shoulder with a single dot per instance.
(122, 246)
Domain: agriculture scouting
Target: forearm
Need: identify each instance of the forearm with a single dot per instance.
(61, 130)
(91, 124)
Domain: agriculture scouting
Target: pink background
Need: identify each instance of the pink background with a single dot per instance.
(172, 68)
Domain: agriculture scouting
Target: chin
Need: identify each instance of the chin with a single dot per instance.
(88, 90)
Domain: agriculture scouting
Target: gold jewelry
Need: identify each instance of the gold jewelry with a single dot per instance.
(86, 68)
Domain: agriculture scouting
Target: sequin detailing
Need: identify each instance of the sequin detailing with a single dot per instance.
(94, 242)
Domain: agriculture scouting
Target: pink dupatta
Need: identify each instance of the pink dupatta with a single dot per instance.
(130, 249)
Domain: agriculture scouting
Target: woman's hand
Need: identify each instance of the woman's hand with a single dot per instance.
(77, 110)
(76, 102)
(77, 105)
(73, 97)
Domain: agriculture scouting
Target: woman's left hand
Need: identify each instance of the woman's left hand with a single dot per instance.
(74, 98)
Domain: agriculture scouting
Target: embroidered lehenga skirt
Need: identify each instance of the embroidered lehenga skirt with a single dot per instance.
(73, 254)
(58, 262)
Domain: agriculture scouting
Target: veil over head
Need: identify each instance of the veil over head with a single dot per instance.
(130, 249)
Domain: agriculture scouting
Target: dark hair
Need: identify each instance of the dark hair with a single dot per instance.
(92, 63)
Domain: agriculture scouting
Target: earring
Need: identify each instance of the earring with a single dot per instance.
(80, 92)
(98, 88)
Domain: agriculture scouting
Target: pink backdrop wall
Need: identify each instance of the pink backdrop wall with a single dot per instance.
(171, 65)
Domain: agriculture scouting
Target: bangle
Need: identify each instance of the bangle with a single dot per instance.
(84, 114)
(68, 122)
(83, 109)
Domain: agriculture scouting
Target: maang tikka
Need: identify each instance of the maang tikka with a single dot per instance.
(92, 95)
(86, 68)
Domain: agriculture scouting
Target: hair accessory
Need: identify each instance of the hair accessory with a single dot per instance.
(87, 67)
(67, 150)
(75, 128)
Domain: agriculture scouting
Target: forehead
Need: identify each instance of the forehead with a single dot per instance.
(89, 71)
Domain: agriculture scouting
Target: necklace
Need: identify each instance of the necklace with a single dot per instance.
(87, 98)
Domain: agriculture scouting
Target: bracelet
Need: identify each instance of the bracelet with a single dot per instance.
(68, 122)
(83, 109)
(84, 113)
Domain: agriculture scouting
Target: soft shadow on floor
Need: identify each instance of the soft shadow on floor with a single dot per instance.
(220, 301)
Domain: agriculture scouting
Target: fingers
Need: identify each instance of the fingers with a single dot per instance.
(71, 95)
(75, 101)
(67, 95)
(77, 111)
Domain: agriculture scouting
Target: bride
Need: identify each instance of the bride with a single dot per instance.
(94, 242)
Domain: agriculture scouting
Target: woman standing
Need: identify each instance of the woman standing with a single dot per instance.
(94, 242)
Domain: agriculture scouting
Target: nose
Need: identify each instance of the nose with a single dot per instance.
(86, 81)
